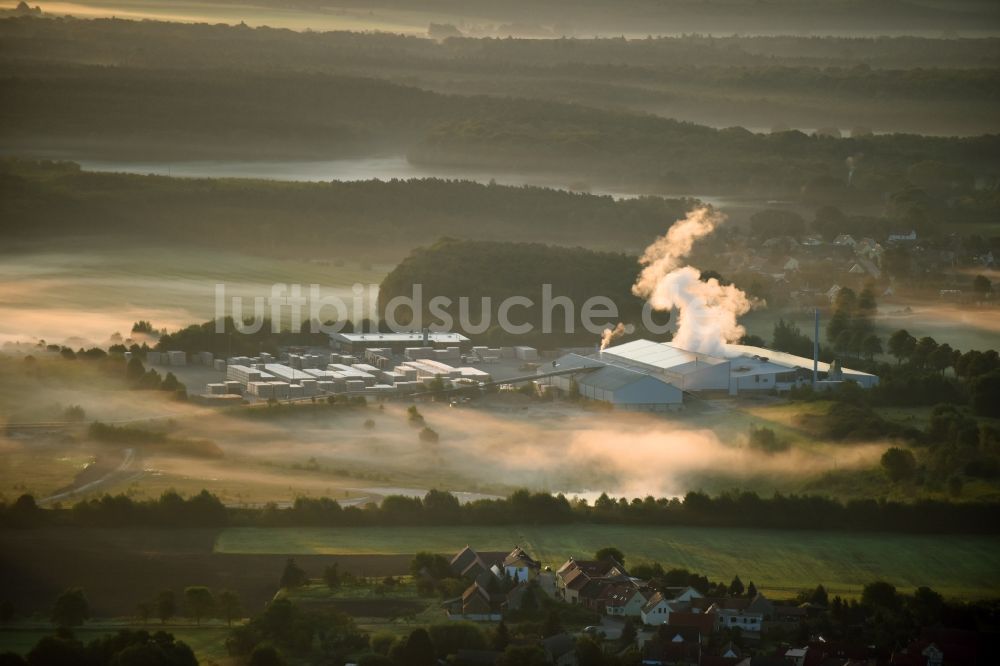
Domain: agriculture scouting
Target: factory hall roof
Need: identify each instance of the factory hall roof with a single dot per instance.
(612, 378)
(399, 337)
(760, 355)
(660, 355)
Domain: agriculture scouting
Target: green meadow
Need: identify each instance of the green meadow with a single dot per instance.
(778, 562)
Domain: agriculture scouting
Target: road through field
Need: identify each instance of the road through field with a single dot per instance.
(777, 561)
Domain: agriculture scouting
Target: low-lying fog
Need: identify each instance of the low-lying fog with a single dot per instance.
(366, 168)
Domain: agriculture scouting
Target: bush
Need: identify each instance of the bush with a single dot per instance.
(899, 464)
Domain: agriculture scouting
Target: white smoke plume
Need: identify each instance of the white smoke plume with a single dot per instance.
(611, 334)
(707, 311)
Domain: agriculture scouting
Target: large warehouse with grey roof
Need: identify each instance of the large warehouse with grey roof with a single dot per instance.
(654, 376)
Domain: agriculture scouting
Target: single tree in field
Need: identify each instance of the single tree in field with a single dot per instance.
(901, 345)
(418, 650)
(880, 595)
(899, 464)
(736, 587)
(610, 553)
(293, 575)
(229, 606)
(71, 608)
(166, 605)
(871, 346)
(265, 655)
(819, 596)
(143, 611)
(134, 371)
(199, 601)
(331, 576)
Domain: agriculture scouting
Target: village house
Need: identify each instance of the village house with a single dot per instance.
(626, 600)
(662, 604)
(477, 604)
(470, 564)
(673, 645)
(519, 566)
(746, 614)
(573, 577)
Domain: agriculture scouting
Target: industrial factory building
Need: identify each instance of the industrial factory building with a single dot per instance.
(653, 376)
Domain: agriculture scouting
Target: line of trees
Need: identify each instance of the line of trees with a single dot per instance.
(732, 509)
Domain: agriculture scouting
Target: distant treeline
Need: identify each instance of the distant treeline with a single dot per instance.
(155, 44)
(736, 509)
(146, 113)
(40, 200)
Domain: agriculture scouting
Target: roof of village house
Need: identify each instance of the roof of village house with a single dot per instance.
(619, 594)
(653, 602)
(518, 557)
(594, 588)
(703, 622)
(577, 580)
(467, 561)
(673, 644)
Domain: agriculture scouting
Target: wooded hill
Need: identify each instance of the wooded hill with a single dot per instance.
(383, 220)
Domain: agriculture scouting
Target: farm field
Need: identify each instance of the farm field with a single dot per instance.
(780, 563)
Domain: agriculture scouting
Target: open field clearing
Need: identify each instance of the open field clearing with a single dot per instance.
(120, 567)
(85, 293)
(779, 562)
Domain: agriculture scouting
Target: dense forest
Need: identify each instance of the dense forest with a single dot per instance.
(156, 114)
(497, 271)
(903, 84)
(387, 219)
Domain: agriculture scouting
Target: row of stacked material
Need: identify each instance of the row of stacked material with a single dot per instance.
(283, 390)
(301, 361)
(428, 370)
(244, 374)
(419, 353)
(487, 355)
(279, 381)
(286, 373)
(344, 359)
(166, 358)
(230, 387)
(377, 356)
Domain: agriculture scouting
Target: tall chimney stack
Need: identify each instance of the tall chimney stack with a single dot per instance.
(815, 347)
